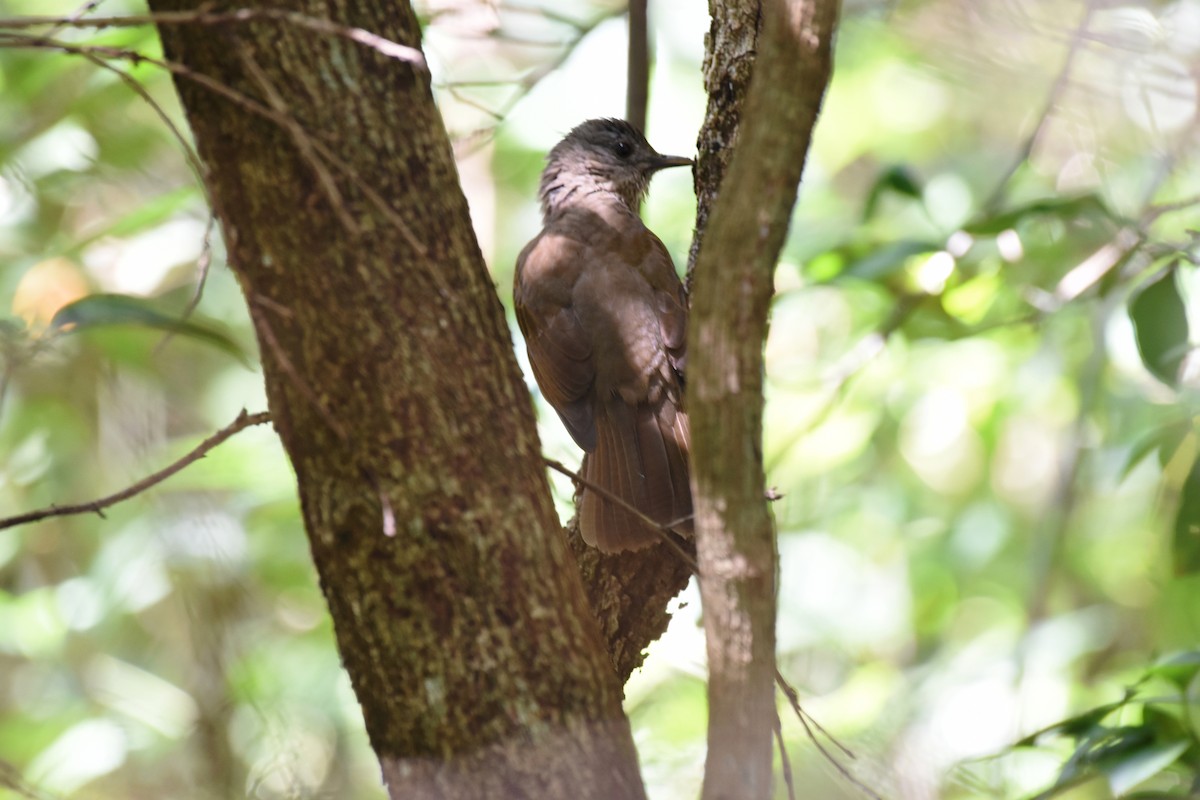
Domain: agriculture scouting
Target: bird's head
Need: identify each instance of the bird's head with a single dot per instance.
(607, 155)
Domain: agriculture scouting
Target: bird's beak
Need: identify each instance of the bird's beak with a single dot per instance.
(662, 162)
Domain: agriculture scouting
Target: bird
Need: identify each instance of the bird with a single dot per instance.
(604, 317)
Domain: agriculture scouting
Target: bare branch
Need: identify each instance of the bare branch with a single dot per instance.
(231, 94)
(243, 421)
(665, 531)
(386, 47)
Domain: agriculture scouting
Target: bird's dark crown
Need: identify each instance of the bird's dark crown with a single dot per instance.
(601, 155)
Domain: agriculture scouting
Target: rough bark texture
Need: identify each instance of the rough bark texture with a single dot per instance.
(629, 593)
(728, 65)
(733, 286)
(391, 380)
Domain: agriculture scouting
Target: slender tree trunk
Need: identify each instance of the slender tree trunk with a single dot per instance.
(457, 604)
(734, 275)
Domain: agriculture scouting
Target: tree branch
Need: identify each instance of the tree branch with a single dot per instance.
(374, 41)
(243, 421)
(734, 275)
(637, 80)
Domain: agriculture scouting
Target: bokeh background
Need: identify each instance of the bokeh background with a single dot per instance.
(980, 410)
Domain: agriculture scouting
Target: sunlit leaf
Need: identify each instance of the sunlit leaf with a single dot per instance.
(1142, 764)
(1179, 668)
(1161, 326)
(1164, 441)
(100, 310)
(1073, 727)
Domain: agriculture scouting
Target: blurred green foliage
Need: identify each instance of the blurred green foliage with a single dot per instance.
(981, 408)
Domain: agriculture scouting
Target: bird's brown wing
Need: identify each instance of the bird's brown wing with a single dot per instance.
(559, 352)
(642, 449)
(671, 302)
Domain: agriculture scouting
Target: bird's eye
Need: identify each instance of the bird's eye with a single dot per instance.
(623, 148)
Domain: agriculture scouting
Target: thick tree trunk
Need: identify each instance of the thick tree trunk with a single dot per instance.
(734, 281)
(457, 604)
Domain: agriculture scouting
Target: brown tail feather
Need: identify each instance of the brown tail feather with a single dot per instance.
(641, 456)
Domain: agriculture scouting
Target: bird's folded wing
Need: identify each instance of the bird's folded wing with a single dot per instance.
(559, 352)
(670, 300)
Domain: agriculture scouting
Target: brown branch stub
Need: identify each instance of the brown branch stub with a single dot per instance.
(733, 277)
(244, 420)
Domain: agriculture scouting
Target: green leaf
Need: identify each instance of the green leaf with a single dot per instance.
(896, 178)
(1185, 547)
(1061, 207)
(1074, 727)
(888, 259)
(1164, 441)
(100, 310)
(1161, 327)
(1178, 668)
(1142, 764)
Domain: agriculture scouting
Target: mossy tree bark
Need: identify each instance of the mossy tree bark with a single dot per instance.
(457, 604)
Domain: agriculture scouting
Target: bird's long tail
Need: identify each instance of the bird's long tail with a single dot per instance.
(641, 456)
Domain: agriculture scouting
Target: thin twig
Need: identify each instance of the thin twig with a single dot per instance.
(525, 84)
(1057, 89)
(784, 761)
(794, 698)
(76, 15)
(663, 530)
(189, 152)
(234, 96)
(204, 260)
(289, 369)
(809, 722)
(243, 421)
(384, 46)
(300, 138)
(203, 264)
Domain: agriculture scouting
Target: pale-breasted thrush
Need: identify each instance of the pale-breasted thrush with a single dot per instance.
(604, 317)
